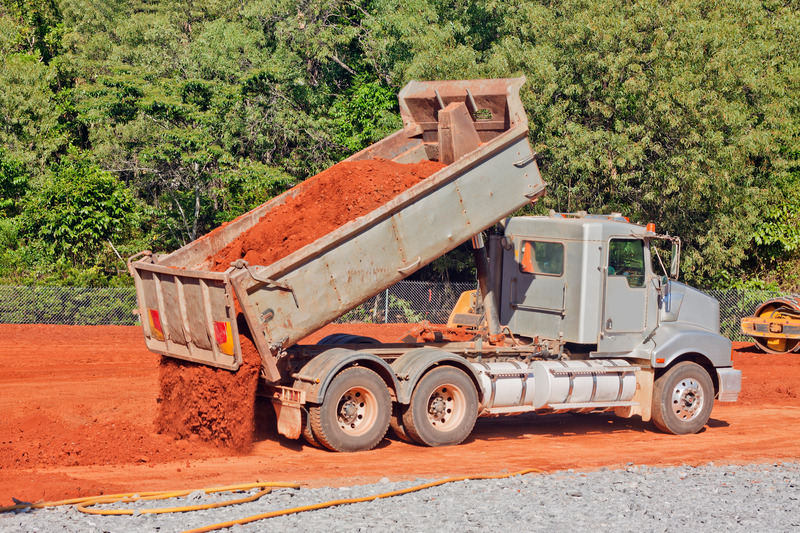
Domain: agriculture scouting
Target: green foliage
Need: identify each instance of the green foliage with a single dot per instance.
(680, 113)
(366, 114)
(673, 113)
(30, 128)
(403, 310)
(38, 26)
(13, 184)
(778, 233)
(73, 215)
(244, 185)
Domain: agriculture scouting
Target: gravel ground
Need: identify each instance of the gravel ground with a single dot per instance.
(707, 498)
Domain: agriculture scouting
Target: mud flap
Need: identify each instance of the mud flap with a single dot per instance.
(643, 395)
(287, 403)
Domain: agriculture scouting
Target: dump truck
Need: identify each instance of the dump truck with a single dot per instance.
(775, 325)
(574, 312)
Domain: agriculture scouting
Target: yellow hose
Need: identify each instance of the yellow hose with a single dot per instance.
(334, 503)
(128, 497)
(83, 503)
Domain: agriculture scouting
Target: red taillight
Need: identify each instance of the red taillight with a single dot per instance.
(221, 332)
(224, 337)
(155, 325)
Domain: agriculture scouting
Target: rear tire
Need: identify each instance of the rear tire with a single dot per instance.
(354, 415)
(443, 408)
(347, 338)
(682, 399)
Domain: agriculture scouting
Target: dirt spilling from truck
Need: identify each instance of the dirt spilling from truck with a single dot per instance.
(321, 204)
(218, 406)
(210, 404)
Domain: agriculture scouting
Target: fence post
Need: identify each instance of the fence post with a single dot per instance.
(386, 307)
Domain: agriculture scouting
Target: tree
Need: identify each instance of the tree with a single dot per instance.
(673, 113)
(13, 184)
(78, 212)
(684, 114)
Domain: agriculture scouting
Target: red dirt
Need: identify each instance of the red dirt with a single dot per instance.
(78, 406)
(216, 405)
(767, 379)
(323, 203)
(212, 404)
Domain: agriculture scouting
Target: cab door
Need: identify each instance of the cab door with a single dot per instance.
(625, 305)
(537, 288)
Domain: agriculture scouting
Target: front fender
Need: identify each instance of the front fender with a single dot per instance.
(673, 340)
(315, 377)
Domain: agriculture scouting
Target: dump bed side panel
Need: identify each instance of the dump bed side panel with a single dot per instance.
(187, 314)
(351, 264)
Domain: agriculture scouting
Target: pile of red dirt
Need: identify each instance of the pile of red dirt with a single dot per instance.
(323, 203)
(36, 440)
(214, 404)
(218, 405)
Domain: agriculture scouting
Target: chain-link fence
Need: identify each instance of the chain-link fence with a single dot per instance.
(410, 301)
(407, 301)
(80, 306)
(736, 304)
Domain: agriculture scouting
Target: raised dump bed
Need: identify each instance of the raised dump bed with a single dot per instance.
(477, 128)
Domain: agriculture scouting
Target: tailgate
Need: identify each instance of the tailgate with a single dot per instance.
(187, 314)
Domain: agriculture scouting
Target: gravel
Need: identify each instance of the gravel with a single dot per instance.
(637, 498)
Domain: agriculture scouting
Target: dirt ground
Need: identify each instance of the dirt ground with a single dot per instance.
(78, 405)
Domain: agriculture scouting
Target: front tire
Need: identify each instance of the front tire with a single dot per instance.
(443, 408)
(354, 416)
(682, 399)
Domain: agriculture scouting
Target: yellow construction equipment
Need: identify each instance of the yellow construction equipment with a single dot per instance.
(775, 325)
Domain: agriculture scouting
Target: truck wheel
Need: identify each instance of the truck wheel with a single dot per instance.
(443, 408)
(354, 415)
(346, 338)
(682, 399)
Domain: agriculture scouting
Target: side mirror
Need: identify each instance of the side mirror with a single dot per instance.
(675, 265)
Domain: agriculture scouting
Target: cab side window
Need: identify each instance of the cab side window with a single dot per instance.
(542, 258)
(626, 258)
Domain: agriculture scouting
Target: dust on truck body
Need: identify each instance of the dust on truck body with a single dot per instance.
(570, 315)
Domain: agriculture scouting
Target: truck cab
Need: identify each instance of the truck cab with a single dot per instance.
(596, 284)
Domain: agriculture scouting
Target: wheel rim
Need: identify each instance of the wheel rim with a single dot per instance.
(357, 411)
(687, 399)
(446, 407)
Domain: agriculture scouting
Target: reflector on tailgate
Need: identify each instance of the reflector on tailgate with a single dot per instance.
(188, 314)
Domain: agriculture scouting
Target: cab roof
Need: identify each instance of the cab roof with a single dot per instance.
(575, 226)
